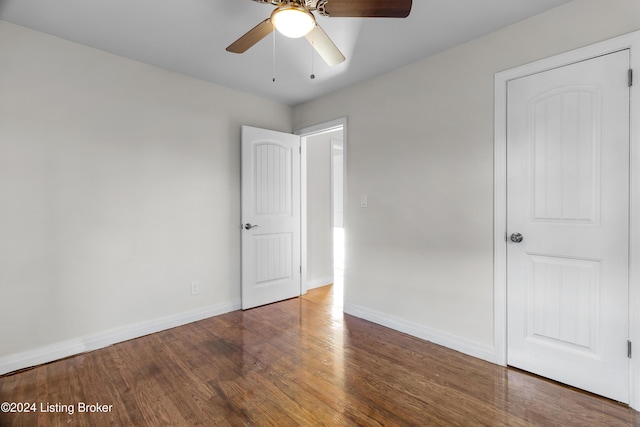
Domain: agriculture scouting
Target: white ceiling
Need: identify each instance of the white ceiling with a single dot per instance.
(190, 37)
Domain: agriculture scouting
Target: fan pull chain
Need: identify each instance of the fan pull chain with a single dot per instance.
(312, 76)
(274, 57)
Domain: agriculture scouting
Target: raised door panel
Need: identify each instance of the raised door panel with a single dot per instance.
(565, 130)
(563, 303)
(273, 258)
(273, 171)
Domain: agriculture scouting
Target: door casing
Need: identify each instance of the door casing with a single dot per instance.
(632, 42)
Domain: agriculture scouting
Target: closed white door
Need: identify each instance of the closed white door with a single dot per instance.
(568, 224)
(270, 216)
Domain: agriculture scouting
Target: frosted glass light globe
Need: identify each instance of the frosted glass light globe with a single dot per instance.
(293, 21)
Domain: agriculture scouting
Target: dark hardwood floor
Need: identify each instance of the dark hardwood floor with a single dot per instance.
(299, 362)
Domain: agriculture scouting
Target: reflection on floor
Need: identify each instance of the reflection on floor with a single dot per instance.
(298, 362)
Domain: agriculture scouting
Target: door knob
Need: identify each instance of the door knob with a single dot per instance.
(248, 226)
(516, 237)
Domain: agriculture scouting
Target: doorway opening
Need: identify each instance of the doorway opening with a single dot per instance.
(323, 201)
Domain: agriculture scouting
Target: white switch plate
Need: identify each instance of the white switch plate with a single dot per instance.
(195, 287)
(364, 202)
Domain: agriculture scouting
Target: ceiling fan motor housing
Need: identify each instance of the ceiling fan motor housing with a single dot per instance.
(317, 5)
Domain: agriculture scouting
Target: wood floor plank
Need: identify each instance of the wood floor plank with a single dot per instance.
(300, 362)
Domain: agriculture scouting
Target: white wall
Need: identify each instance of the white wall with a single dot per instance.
(319, 215)
(420, 257)
(119, 186)
(337, 184)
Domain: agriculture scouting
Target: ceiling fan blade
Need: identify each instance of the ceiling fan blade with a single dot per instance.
(368, 8)
(252, 37)
(324, 46)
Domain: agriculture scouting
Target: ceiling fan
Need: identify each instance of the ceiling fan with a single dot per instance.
(294, 18)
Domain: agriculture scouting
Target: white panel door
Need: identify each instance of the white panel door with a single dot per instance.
(568, 199)
(270, 216)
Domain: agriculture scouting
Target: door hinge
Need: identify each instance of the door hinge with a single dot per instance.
(629, 349)
(630, 74)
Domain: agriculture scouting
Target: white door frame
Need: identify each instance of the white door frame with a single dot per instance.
(320, 128)
(632, 42)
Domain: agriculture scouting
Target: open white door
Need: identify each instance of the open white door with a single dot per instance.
(270, 216)
(568, 224)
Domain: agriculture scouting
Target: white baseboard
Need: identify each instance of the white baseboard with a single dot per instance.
(49, 353)
(445, 339)
(318, 283)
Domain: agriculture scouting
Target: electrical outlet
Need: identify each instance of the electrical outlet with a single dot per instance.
(195, 288)
(364, 201)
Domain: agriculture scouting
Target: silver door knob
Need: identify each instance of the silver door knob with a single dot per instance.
(516, 237)
(248, 226)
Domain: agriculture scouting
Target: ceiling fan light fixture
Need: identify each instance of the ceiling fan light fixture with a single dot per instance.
(293, 21)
